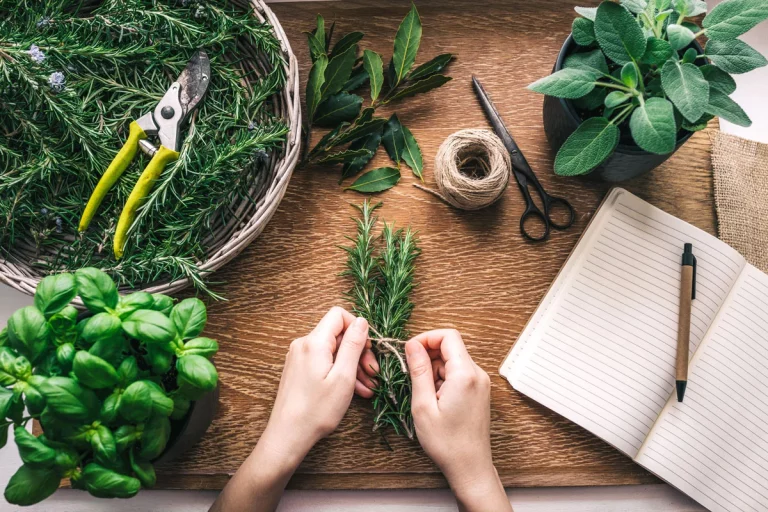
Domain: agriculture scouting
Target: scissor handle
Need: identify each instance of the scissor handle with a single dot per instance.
(532, 211)
(559, 202)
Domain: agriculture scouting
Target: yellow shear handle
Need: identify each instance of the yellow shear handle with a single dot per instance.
(139, 193)
(113, 173)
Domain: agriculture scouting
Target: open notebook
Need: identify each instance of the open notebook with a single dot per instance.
(600, 350)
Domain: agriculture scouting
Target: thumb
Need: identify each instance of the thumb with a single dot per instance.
(422, 380)
(350, 349)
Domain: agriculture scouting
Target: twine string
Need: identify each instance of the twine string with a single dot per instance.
(384, 344)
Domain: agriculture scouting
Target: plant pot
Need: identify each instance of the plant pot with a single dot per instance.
(628, 161)
(188, 431)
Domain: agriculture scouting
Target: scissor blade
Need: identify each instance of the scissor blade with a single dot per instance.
(194, 81)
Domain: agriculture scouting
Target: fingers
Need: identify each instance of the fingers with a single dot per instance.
(362, 391)
(368, 363)
(422, 381)
(448, 341)
(365, 379)
(350, 349)
(334, 323)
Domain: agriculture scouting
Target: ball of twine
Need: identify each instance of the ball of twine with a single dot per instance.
(472, 169)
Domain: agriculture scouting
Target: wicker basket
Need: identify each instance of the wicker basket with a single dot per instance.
(252, 215)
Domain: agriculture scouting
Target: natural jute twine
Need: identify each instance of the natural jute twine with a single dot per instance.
(472, 169)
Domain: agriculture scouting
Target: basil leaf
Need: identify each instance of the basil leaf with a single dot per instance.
(653, 126)
(159, 359)
(679, 36)
(103, 445)
(28, 332)
(339, 107)
(618, 33)
(180, 408)
(131, 302)
(162, 303)
(4, 435)
(29, 485)
(346, 155)
(357, 79)
(430, 67)
(66, 458)
(136, 403)
(7, 373)
(371, 143)
(110, 350)
(100, 326)
(145, 472)
(314, 84)
(421, 86)
(407, 41)
(110, 407)
(197, 371)
(189, 317)
(64, 322)
(150, 326)
(587, 12)
(634, 6)
(128, 371)
(376, 180)
(718, 79)
(6, 399)
(346, 42)
(728, 20)
(587, 147)
(53, 293)
(155, 437)
(593, 61)
(162, 404)
(105, 483)
(686, 87)
(33, 398)
(375, 68)
(412, 153)
(566, 83)
(337, 72)
(734, 56)
(583, 31)
(32, 451)
(125, 437)
(68, 399)
(93, 371)
(96, 289)
(722, 106)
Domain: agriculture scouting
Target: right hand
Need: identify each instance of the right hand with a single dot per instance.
(452, 414)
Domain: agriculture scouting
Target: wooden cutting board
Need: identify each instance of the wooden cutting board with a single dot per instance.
(476, 273)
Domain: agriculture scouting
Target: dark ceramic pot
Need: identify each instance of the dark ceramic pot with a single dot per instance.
(187, 432)
(628, 161)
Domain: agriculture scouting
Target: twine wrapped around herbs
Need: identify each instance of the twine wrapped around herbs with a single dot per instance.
(383, 344)
(472, 169)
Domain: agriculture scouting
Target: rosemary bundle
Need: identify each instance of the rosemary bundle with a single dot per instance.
(73, 75)
(382, 268)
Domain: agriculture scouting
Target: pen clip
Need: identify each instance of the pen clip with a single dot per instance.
(693, 286)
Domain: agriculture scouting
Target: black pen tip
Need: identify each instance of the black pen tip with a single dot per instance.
(681, 389)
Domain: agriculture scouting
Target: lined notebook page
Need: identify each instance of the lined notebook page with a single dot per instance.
(601, 348)
(714, 445)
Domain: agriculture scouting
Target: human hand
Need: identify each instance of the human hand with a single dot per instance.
(452, 416)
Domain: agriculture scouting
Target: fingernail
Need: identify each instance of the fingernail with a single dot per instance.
(410, 348)
(360, 323)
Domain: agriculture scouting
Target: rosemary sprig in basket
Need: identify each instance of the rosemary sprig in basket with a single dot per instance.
(382, 269)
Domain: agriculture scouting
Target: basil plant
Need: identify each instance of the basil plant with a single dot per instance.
(104, 388)
(636, 69)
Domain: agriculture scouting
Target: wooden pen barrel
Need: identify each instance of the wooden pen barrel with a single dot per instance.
(684, 322)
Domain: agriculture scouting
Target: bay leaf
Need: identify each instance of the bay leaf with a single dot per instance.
(407, 41)
(375, 69)
(412, 154)
(376, 180)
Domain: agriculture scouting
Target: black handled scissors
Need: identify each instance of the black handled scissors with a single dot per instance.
(525, 178)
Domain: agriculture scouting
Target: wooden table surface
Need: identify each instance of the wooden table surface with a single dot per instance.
(476, 274)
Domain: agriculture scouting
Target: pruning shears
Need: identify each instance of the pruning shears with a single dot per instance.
(165, 123)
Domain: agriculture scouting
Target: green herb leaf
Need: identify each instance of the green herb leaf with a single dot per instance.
(136, 404)
(431, 67)
(103, 445)
(699, 125)
(339, 107)
(100, 326)
(28, 332)
(587, 12)
(337, 72)
(376, 180)
(393, 139)
(6, 398)
(566, 83)
(145, 472)
(375, 69)
(653, 126)
(128, 371)
(197, 371)
(412, 153)
(162, 404)
(68, 399)
(634, 6)
(205, 347)
(690, 56)
(155, 437)
(593, 61)
(729, 19)
(618, 33)
(587, 147)
(346, 155)
(150, 326)
(319, 32)
(407, 41)
(420, 86)
(657, 52)
(629, 75)
(686, 87)
(105, 483)
(346, 42)
(159, 359)
(616, 98)
(180, 408)
(110, 349)
(110, 407)
(131, 302)
(593, 100)
(361, 129)
(314, 85)
(583, 31)
(33, 452)
(162, 303)
(125, 437)
(358, 78)
(29, 485)
(96, 289)
(189, 317)
(65, 355)
(734, 56)
(54, 292)
(718, 79)
(679, 36)
(93, 371)
(371, 143)
(722, 106)
(316, 47)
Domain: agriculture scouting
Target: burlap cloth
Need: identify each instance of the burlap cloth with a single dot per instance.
(741, 195)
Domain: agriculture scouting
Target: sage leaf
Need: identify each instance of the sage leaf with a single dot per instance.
(634, 6)
(729, 19)
(345, 43)
(393, 139)
(358, 78)
(686, 87)
(412, 153)
(566, 83)
(690, 56)
(699, 125)
(105, 483)
(734, 56)
(616, 98)
(407, 41)
(375, 69)
(679, 36)
(722, 106)
(29, 485)
(371, 143)
(376, 180)
(618, 33)
(339, 107)
(699, 7)
(314, 85)
(653, 126)
(421, 86)
(337, 72)
(593, 100)
(54, 292)
(591, 61)
(629, 75)
(587, 147)
(583, 31)
(587, 12)
(343, 156)
(360, 129)
(657, 52)
(718, 79)
(431, 67)
(661, 5)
